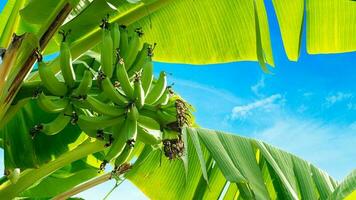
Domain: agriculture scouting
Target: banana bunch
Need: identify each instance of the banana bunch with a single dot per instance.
(120, 103)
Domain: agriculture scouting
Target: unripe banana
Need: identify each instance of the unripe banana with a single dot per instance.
(115, 35)
(124, 156)
(57, 125)
(50, 81)
(148, 123)
(51, 106)
(147, 76)
(141, 60)
(85, 85)
(97, 106)
(124, 80)
(150, 114)
(164, 98)
(103, 97)
(133, 113)
(98, 122)
(110, 91)
(139, 93)
(166, 117)
(157, 90)
(120, 140)
(90, 132)
(148, 136)
(132, 51)
(14, 175)
(66, 65)
(124, 42)
(131, 134)
(107, 53)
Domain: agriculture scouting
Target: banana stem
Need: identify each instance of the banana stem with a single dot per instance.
(94, 182)
(29, 177)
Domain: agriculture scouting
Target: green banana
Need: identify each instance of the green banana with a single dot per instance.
(147, 77)
(103, 97)
(148, 122)
(57, 125)
(124, 42)
(163, 100)
(106, 109)
(151, 114)
(124, 80)
(148, 136)
(90, 132)
(65, 58)
(139, 93)
(50, 81)
(107, 53)
(148, 130)
(132, 51)
(167, 117)
(115, 35)
(141, 60)
(82, 90)
(133, 113)
(120, 134)
(158, 89)
(49, 105)
(131, 133)
(111, 92)
(98, 122)
(124, 156)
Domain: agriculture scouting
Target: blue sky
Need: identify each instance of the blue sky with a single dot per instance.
(307, 107)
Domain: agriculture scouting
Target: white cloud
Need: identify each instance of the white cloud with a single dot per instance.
(258, 86)
(338, 97)
(266, 104)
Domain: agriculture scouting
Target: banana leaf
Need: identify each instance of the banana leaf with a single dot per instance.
(269, 172)
(202, 32)
(224, 31)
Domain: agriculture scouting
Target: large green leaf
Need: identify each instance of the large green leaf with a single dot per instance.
(290, 17)
(162, 176)
(270, 172)
(331, 25)
(202, 32)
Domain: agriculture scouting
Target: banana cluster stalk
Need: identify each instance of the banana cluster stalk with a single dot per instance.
(120, 103)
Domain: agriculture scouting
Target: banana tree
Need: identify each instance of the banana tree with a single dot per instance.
(201, 163)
